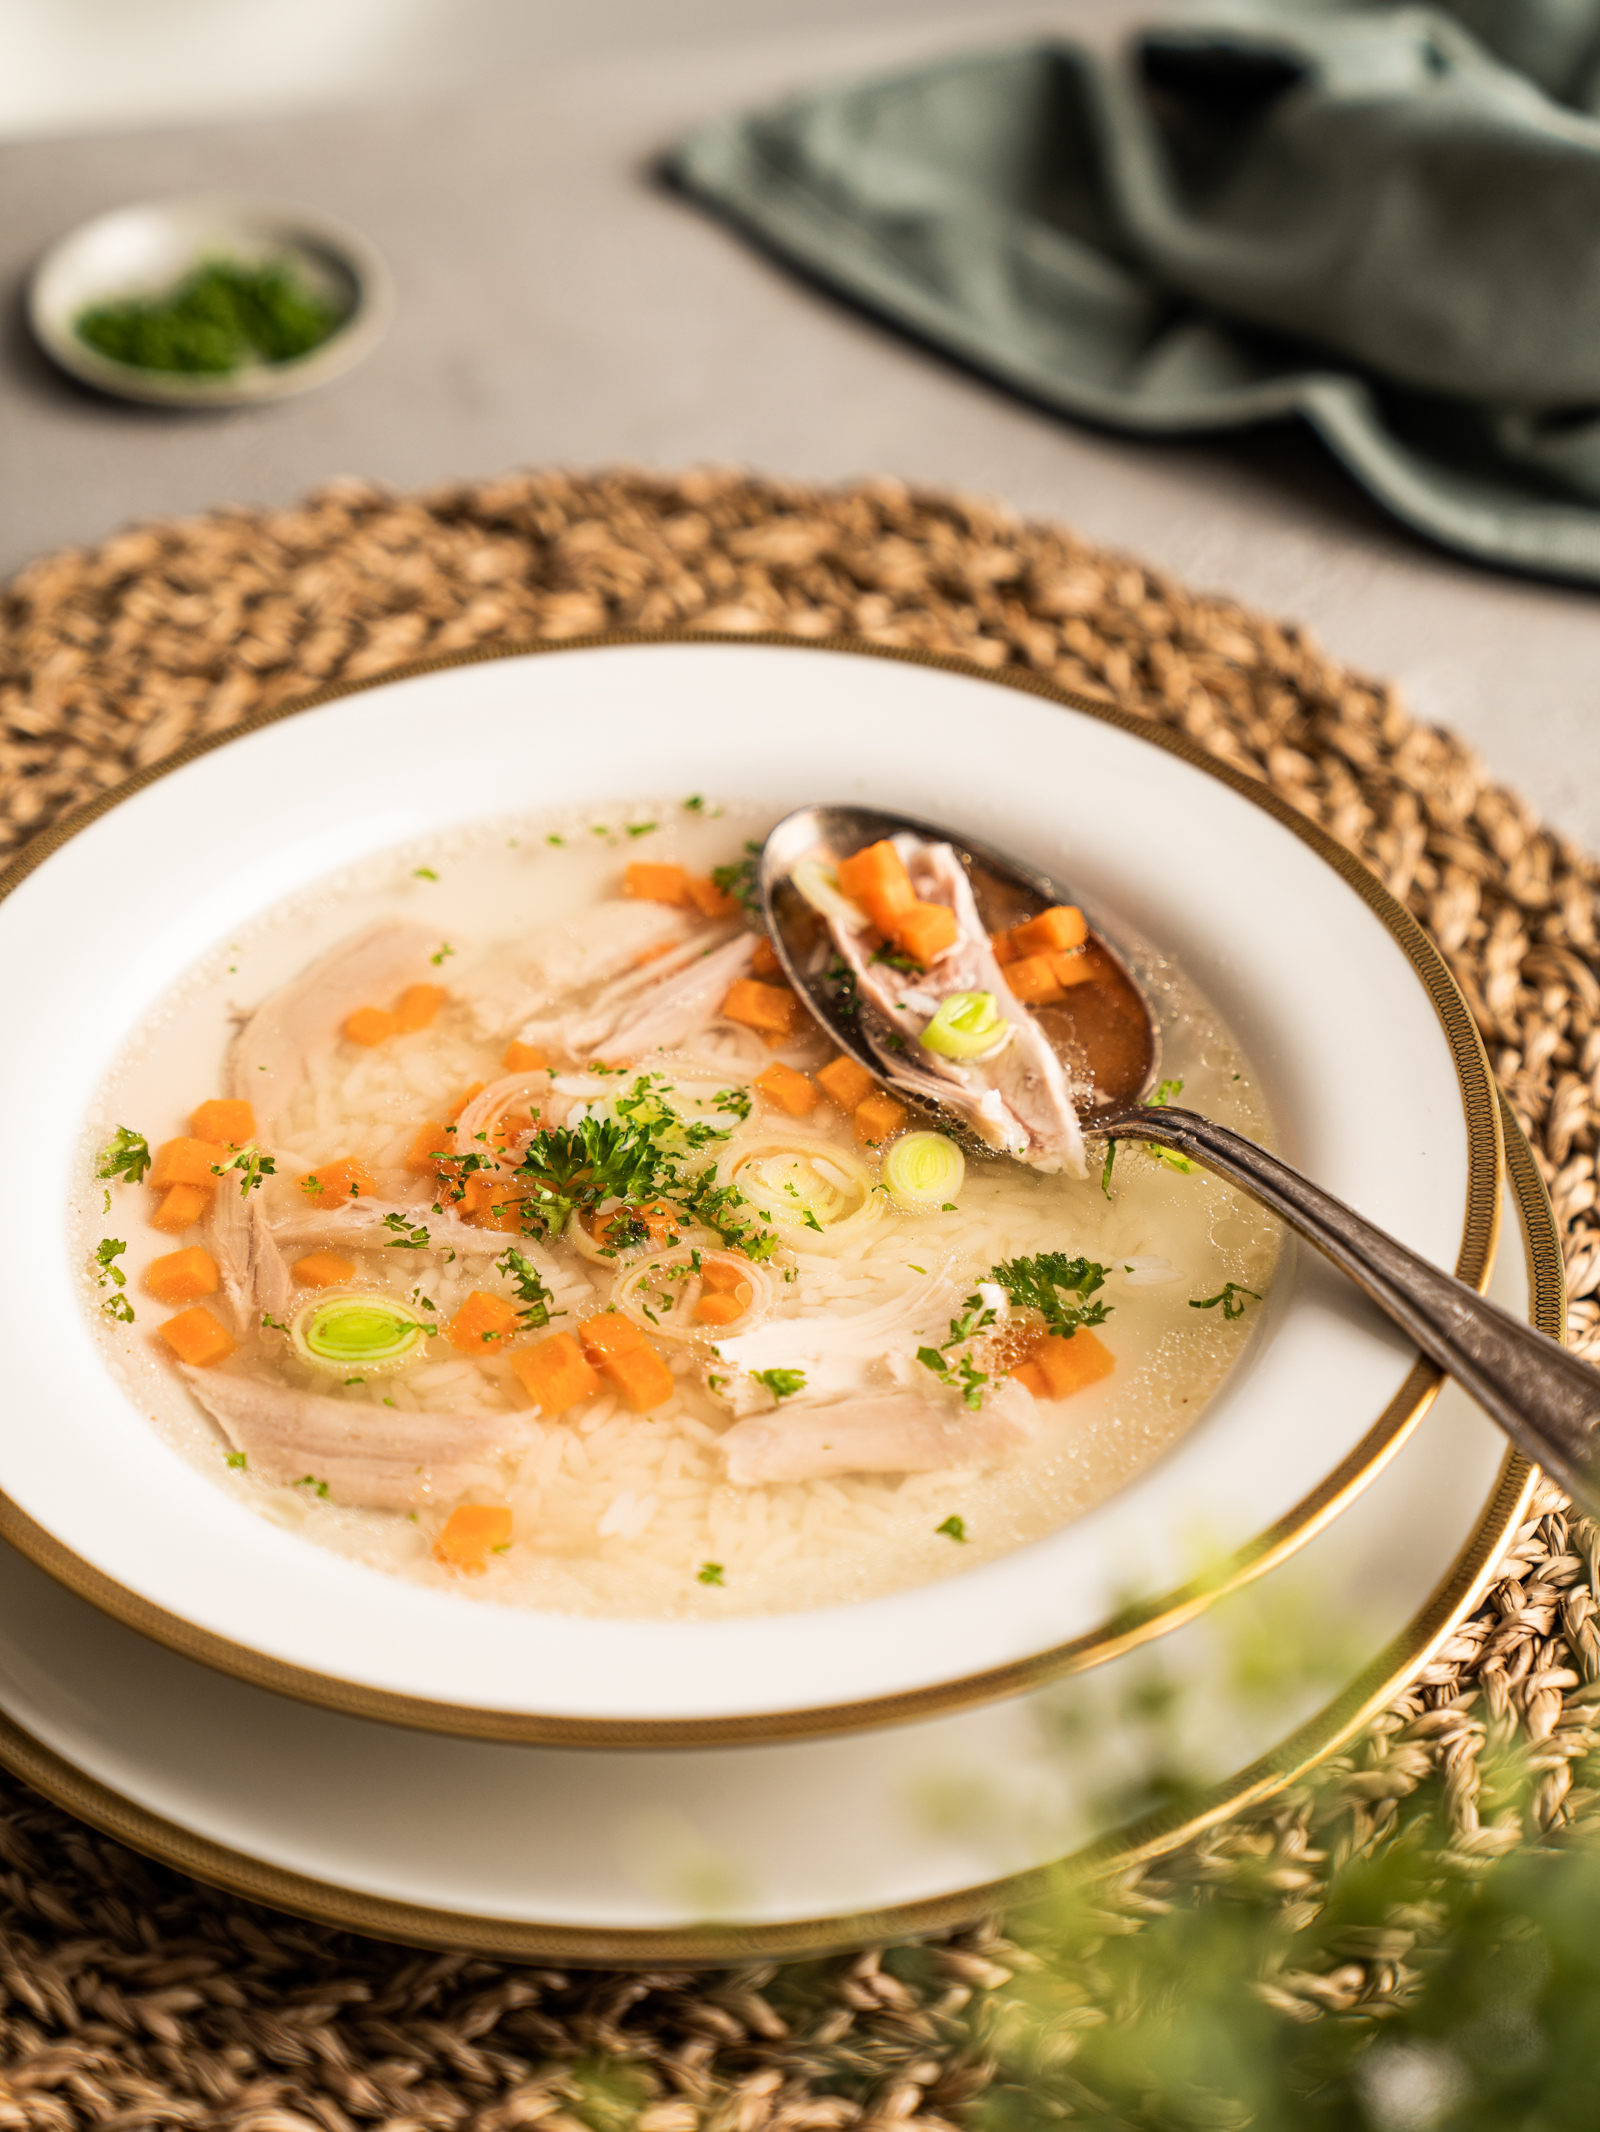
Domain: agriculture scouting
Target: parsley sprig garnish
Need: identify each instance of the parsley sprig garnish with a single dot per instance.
(107, 1252)
(739, 879)
(782, 1384)
(1232, 1298)
(1057, 1287)
(407, 1236)
(251, 1164)
(126, 1155)
(533, 1295)
(962, 1374)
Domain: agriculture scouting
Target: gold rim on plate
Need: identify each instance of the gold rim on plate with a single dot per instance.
(1136, 1624)
(515, 1939)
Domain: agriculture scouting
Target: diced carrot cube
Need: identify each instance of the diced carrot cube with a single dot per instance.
(524, 1058)
(371, 1025)
(483, 1324)
(461, 1102)
(1033, 981)
(720, 1276)
(877, 880)
(193, 1162)
(1030, 1374)
(879, 1118)
(470, 1534)
(610, 1335)
(323, 1269)
(723, 1309)
(1004, 950)
(182, 1275)
(1069, 1363)
(772, 1009)
(657, 884)
(225, 1121)
(417, 1006)
(791, 1091)
(338, 1181)
(641, 1378)
(555, 1374)
(926, 930)
(195, 1336)
(709, 900)
(764, 962)
(1070, 966)
(1063, 926)
(429, 1149)
(180, 1207)
(844, 1082)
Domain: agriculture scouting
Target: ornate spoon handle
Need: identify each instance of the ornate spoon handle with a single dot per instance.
(1546, 1400)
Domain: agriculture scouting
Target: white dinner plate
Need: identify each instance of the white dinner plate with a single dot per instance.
(719, 1854)
(1366, 1053)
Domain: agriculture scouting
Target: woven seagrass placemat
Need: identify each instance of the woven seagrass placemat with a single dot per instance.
(130, 1996)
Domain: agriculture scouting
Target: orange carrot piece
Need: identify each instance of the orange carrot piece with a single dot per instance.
(876, 878)
(336, 1182)
(609, 1336)
(722, 1309)
(230, 1123)
(1033, 981)
(879, 1118)
(719, 1276)
(470, 1534)
(195, 1336)
(1004, 951)
(483, 1324)
(772, 1009)
(926, 930)
(662, 1225)
(641, 1378)
(371, 1025)
(524, 1058)
(709, 900)
(182, 1275)
(323, 1269)
(180, 1207)
(187, 1162)
(429, 1149)
(764, 962)
(657, 884)
(1063, 926)
(555, 1373)
(417, 1006)
(1070, 966)
(1030, 1374)
(844, 1082)
(461, 1102)
(1070, 1364)
(791, 1091)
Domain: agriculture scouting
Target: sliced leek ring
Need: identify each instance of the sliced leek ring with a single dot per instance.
(968, 1025)
(662, 1293)
(357, 1331)
(924, 1172)
(817, 1194)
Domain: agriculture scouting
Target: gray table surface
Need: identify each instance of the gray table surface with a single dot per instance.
(557, 305)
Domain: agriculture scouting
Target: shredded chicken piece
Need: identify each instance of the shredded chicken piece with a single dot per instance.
(872, 1351)
(1017, 1098)
(364, 1225)
(680, 1004)
(883, 1432)
(370, 1457)
(585, 1030)
(573, 956)
(273, 1050)
(255, 1275)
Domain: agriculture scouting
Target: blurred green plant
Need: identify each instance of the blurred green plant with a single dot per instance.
(219, 317)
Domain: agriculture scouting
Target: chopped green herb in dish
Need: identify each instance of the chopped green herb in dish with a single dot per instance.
(217, 319)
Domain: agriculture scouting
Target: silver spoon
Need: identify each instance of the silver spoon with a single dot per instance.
(1545, 1399)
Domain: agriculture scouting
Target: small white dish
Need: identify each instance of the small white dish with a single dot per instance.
(737, 1853)
(145, 249)
(1332, 989)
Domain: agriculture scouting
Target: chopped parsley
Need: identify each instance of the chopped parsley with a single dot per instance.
(444, 949)
(642, 829)
(309, 1480)
(961, 1376)
(239, 1459)
(423, 873)
(709, 1573)
(252, 1166)
(1057, 1287)
(897, 961)
(1105, 1172)
(406, 1237)
(126, 1155)
(782, 1384)
(554, 839)
(739, 879)
(533, 1295)
(1168, 1092)
(1232, 1298)
(732, 1102)
(277, 1325)
(953, 1528)
(118, 1307)
(107, 1252)
(312, 1185)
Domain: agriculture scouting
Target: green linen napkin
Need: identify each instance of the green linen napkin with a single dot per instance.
(1370, 217)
